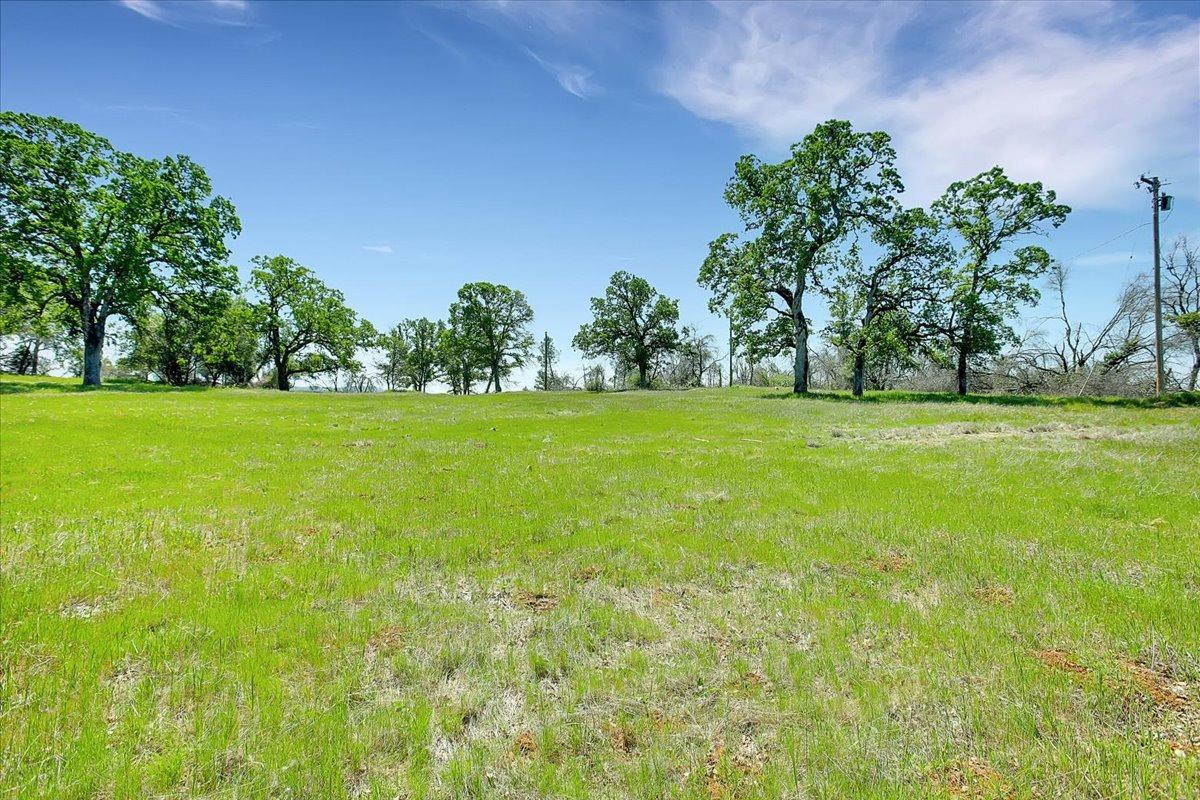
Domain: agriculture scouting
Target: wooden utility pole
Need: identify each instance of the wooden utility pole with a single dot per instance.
(1155, 186)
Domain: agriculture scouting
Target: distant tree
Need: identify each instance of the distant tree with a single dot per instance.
(394, 348)
(973, 300)
(1114, 356)
(161, 346)
(800, 208)
(421, 363)
(166, 335)
(632, 324)
(547, 354)
(697, 356)
(307, 327)
(458, 360)
(871, 304)
(594, 379)
(106, 230)
(229, 349)
(34, 320)
(1181, 303)
(493, 320)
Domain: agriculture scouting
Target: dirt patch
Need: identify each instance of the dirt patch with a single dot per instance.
(993, 595)
(1161, 689)
(1184, 749)
(714, 780)
(586, 574)
(537, 601)
(386, 639)
(973, 778)
(1062, 661)
(525, 745)
(891, 563)
(622, 738)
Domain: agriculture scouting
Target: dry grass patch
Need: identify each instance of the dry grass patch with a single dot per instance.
(972, 779)
(526, 744)
(993, 595)
(537, 601)
(891, 563)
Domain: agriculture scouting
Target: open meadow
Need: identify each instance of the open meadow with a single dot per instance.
(705, 594)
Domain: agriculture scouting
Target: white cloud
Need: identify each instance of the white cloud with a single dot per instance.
(558, 17)
(385, 249)
(571, 77)
(553, 27)
(178, 12)
(150, 9)
(1083, 98)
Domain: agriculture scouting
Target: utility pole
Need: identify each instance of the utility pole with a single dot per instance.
(1155, 186)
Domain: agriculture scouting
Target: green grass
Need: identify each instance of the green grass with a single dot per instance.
(694, 594)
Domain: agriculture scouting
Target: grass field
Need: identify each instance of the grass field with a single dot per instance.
(706, 594)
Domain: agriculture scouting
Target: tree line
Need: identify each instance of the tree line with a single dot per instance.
(90, 234)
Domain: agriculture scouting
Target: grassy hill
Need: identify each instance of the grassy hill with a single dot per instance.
(705, 594)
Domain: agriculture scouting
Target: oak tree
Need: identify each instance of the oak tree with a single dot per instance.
(968, 304)
(632, 324)
(106, 230)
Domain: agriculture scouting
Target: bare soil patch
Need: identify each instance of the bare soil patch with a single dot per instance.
(1063, 661)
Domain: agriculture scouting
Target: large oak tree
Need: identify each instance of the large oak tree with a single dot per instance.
(107, 231)
(968, 304)
(799, 209)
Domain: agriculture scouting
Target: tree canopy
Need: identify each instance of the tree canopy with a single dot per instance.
(105, 232)
(308, 327)
(632, 324)
(969, 303)
(493, 323)
(834, 180)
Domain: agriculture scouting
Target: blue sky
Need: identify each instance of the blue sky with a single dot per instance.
(401, 150)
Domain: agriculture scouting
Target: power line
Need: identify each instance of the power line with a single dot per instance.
(1110, 241)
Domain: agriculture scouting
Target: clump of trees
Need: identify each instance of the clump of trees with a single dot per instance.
(918, 297)
(938, 284)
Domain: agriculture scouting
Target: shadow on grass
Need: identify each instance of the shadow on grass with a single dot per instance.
(1173, 400)
(10, 384)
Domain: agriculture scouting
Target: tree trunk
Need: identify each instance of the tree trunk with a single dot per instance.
(800, 367)
(859, 367)
(1195, 373)
(642, 381)
(961, 372)
(93, 351)
(281, 377)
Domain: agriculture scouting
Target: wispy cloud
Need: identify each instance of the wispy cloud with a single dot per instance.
(1082, 97)
(546, 31)
(179, 13)
(385, 249)
(299, 125)
(150, 9)
(571, 77)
